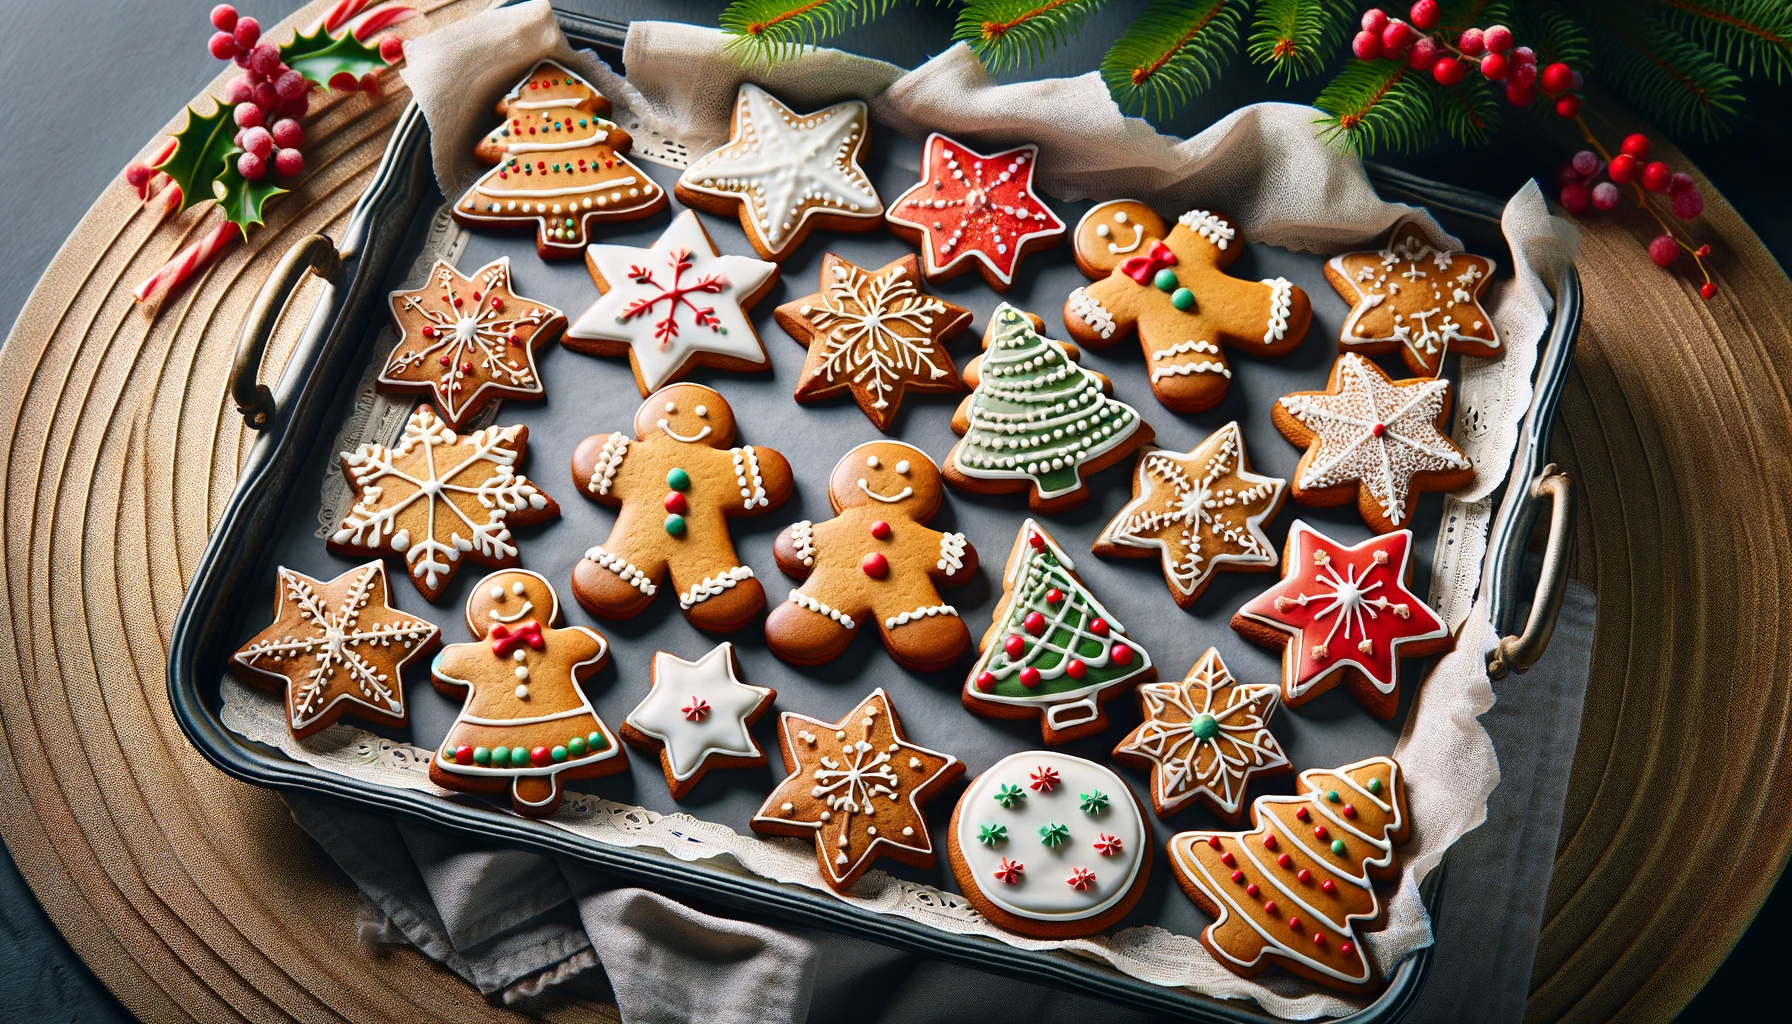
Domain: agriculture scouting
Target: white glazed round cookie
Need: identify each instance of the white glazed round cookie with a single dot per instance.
(1050, 845)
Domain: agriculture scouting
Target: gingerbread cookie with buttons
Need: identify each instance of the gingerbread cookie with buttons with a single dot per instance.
(1415, 299)
(1171, 284)
(875, 560)
(525, 726)
(677, 481)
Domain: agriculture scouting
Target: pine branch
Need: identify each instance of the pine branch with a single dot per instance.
(1668, 78)
(1456, 15)
(1298, 37)
(1752, 36)
(1469, 111)
(1554, 35)
(770, 32)
(1170, 54)
(1002, 32)
(1378, 104)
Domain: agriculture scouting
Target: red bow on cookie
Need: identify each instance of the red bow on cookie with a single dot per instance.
(1143, 268)
(505, 639)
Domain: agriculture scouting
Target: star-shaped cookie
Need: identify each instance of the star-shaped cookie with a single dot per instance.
(857, 786)
(698, 715)
(1374, 439)
(874, 333)
(974, 210)
(1203, 738)
(675, 306)
(1344, 614)
(1199, 512)
(335, 647)
(787, 173)
(440, 499)
(466, 342)
(1416, 299)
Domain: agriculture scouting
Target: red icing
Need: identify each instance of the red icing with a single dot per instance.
(875, 565)
(971, 206)
(676, 503)
(880, 530)
(504, 639)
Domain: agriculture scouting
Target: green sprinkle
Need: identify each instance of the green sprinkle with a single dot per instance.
(675, 525)
(576, 746)
(500, 757)
(596, 741)
(482, 756)
(1053, 834)
(990, 835)
(1332, 795)
(1095, 802)
(1374, 785)
(1182, 299)
(1165, 280)
(1338, 847)
(1204, 726)
(1009, 795)
(519, 757)
(678, 479)
(558, 753)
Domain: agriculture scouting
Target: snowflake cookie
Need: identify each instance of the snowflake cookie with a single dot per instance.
(1416, 299)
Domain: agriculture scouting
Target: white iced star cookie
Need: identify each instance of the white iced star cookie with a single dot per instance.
(698, 716)
(787, 173)
(674, 306)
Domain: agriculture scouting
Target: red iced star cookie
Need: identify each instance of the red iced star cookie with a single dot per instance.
(970, 209)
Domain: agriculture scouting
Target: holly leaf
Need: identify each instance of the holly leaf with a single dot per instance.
(321, 56)
(240, 198)
(201, 150)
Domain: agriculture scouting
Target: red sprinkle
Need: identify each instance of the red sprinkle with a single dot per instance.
(1318, 938)
(1228, 860)
(1349, 811)
(1345, 948)
(1214, 841)
(1285, 861)
(1303, 875)
(1076, 669)
(541, 757)
(986, 682)
(1014, 646)
(1294, 922)
(1301, 813)
(1320, 833)
(1269, 841)
(1238, 876)
(1329, 886)
(1269, 907)
(1029, 677)
(880, 530)
(1251, 890)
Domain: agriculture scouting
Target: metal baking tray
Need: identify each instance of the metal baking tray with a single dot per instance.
(271, 520)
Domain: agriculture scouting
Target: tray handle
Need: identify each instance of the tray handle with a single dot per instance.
(254, 399)
(1518, 653)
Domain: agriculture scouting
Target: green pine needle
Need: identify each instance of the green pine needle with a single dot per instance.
(1170, 54)
(1374, 105)
(1554, 36)
(769, 32)
(1003, 32)
(1469, 111)
(1456, 15)
(1670, 79)
(1751, 36)
(1299, 37)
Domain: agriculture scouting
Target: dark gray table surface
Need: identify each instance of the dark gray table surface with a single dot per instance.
(152, 57)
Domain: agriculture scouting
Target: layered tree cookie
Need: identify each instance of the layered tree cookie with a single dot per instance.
(1415, 299)
(971, 210)
(466, 341)
(857, 786)
(876, 561)
(786, 174)
(1173, 287)
(1373, 439)
(1204, 738)
(673, 307)
(875, 334)
(560, 166)
(1298, 889)
(1344, 614)
(525, 726)
(335, 647)
(1198, 513)
(677, 481)
(1050, 845)
(698, 716)
(1036, 421)
(439, 498)
(1053, 652)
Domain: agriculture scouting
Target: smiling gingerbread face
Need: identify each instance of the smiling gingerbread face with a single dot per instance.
(689, 413)
(1112, 231)
(510, 597)
(887, 474)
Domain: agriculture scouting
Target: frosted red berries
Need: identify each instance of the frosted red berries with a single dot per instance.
(1448, 55)
(1663, 249)
(288, 163)
(224, 18)
(288, 133)
(252, 167)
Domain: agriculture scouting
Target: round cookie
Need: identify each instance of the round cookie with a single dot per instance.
(1050, 845)
(698, 716)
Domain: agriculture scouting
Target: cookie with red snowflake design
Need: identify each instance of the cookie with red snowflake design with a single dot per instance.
(971, 210)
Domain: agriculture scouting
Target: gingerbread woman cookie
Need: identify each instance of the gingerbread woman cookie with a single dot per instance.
(1299, 887)
(971, 210)
(560, 166)
(526, 726)
(335, 647)
(1172, 285)
(677, 482)
(787, 174)
(875, 560)
(1416, 299)
(698, 716)
(467, 341)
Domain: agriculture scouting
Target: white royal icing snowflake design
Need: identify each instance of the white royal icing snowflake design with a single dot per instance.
(859, 312)
(1205, 735)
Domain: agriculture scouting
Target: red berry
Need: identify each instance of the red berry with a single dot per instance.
(1374, 20)
(1662, 250)
(1564, 174)
(1034, 623)
(239, 90)
(1679, 182)
(1605, 195)
(1396, 37)
(1558, 77)
(1424, 54)
(1636, 146)
(252, 167)
(1366, 45)
(1076, 669)
(288, 133)
(237, 139)
(258, 141)
(296, 107)
(1098, 626)
(241, 59)
(265, 58)
(1655, 176)
(266, 98)
(1524, 55)
(1586, 163)
(1470, 42)
(1622, 169)
(1702, 251)
(391, 49)
(1497, 39)
(1521, 75)
(224, 18)
(370, 82)
(1448, 71)
(222, 46)
(1493, 66)
(247, 32)
(1568, 106)
(986, 681)
(342, 81)
(247, 115)
(1688, 203)
(290, 84)
(1520, 97)
(137, 175)
(1425, 14)
(1575, 198)
(1707, 290)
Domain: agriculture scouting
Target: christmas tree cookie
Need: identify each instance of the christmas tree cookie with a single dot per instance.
(1053, 652)
(1298, 889)
(971, 210)
(1414, 299)
(1173, 287)
(525, 727)
(560, 166)
(1035, 421)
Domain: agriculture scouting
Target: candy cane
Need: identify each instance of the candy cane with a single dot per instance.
(381, 18)
(188, 262)
(339, 14)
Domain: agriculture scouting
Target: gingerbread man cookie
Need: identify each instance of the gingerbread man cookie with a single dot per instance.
(467, 341)
(1173, 287)
(525, 726)
(698, 716)
(1416, 299)
(1299, 887)
(971, 210)
(787, 173)
(677, 482)
(875, 560)
(560, 166)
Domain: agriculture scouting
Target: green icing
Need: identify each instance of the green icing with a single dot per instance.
(1009, 794)
(1053, 834)
(1095, 802)
(990, 835)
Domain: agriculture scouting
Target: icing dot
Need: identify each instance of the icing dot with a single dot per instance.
(517, 588)
(522, 692)
(1205, 727)
(497, 595)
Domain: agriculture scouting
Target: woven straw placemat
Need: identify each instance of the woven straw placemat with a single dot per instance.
(191, 895)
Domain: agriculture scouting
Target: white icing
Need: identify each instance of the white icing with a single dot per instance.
(952, 547)
(1281, 301)
(926, 612)
(480, 336)
(748, 477)
(802, 541)
(665, 426)
(1426, 345)
(876, 328)
(803, 600)
(1091, 313)
(720, 732)
(1208, 226)
(713, 585)
(609, 460)
(1242, 745)
(622, 567)
(891, 499)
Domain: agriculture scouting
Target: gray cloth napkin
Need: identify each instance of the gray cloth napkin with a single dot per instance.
(519, 926)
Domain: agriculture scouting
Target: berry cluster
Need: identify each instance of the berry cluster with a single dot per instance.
(1580, 190)
(1428, 50)
(268, 97)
